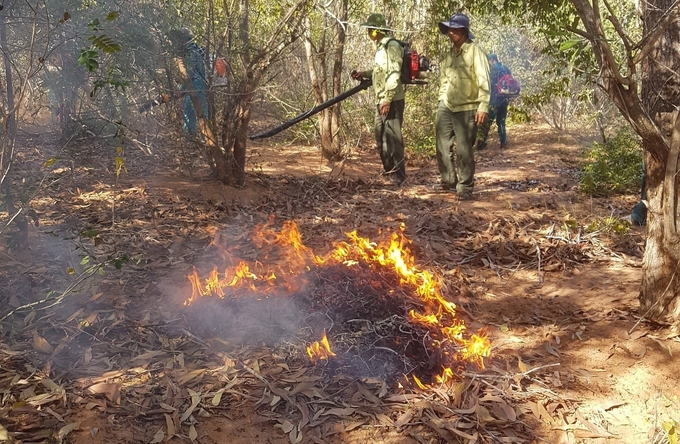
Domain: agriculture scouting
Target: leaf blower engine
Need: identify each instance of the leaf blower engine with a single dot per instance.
(415, 67)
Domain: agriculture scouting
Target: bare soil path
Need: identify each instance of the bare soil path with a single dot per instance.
(120, 359)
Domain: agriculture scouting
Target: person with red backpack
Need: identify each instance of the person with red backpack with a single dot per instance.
(498, 105)
(389, 97)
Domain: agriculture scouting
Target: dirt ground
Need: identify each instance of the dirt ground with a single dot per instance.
(571, 355)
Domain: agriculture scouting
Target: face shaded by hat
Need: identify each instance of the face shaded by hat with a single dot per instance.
(457, 21)
(376, 21)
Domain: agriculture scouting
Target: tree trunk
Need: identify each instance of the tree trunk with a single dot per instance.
(237, 112)
(216, 153)
(334, 150)
(652, 113)
(9, 129)
(660, 290)
(329, 119)
(241, 132)
(253, 65)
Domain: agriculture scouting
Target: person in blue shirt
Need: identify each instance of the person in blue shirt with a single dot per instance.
(194, 61)
(498, 105)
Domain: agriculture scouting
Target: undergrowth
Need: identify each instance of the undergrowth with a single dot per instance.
(615, 167)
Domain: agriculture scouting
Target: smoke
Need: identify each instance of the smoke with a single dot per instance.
(250, 319)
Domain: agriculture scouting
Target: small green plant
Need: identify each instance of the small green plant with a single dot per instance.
(611, 224)
(615, 168)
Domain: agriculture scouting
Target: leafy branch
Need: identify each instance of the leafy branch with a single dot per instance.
(99, 42)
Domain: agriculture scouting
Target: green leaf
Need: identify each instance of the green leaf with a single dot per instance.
(112, 15)
(85, 260)
(88, 59)
(569, 44)
(90, 233)
(49, 162)
(104, 43)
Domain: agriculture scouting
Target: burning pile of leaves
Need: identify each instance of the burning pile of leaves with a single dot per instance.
(381, 310)
(398, 354)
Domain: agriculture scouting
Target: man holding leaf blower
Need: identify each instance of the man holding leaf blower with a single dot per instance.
(389, 97)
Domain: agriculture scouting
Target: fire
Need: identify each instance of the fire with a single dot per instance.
(437, 314)
(320, 350)
(476, 349)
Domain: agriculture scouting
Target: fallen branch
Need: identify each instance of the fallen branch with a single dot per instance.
(84, 275)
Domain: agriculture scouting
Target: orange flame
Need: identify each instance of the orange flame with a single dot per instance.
(394, 254)
(320, 350)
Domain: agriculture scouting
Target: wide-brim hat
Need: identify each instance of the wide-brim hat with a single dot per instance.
(376, 21)
(457, 21)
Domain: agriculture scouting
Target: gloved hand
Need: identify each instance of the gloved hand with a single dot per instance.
(357, 75)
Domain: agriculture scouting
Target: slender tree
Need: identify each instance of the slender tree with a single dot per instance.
(19, 68)
(330, 42)
(251, 61)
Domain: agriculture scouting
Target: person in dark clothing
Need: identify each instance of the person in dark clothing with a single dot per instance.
(639, 214)
(389, 97)
(498, 106)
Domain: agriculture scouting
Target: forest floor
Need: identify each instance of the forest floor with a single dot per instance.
(97, 344)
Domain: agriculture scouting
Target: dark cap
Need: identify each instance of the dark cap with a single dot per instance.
(492, 56)
(457, 21)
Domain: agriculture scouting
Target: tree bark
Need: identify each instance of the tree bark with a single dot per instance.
(660, 290)
(329, 119)
(9, 130)
(216, 153)
(239, 127)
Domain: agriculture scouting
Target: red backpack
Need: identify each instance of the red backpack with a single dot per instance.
(507, 86)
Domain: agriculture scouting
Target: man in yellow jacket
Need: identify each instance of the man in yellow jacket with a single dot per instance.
(463, 106)
(389, 97)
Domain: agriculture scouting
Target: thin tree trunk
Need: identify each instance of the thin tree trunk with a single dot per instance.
(9, 139)
(241, 132)
(329, 119)
(335, 150)
(210, 141)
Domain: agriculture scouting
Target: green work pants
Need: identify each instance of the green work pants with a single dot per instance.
(461, 126)
(390, 141)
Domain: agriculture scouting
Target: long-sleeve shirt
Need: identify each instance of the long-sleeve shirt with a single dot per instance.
(386, 72)
(465, 80)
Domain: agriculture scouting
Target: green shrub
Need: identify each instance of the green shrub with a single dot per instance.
(615, 167)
